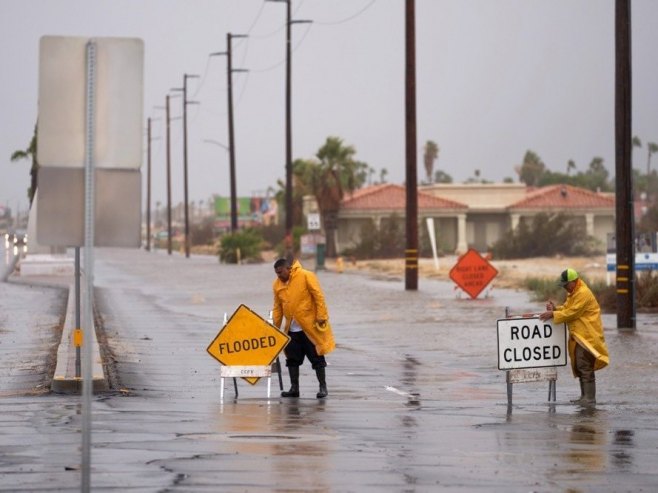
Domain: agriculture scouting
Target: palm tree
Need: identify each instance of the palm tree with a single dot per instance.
(29, 153)
(652, 148)
(382, 175)
(531, 169)
(371, 172)
(430, 155)
(570, 165)
(635, 142)
(336, 173)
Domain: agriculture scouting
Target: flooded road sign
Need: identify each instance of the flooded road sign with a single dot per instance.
(473, 273)
(247, 340)
(531, 343)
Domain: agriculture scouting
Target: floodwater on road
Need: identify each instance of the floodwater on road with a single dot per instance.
(416, 402)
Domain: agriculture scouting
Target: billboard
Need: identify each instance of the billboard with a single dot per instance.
(251, 211)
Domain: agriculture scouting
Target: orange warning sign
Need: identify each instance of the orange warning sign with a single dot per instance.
(473, 273)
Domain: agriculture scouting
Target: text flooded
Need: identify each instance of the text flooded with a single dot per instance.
(247, 345)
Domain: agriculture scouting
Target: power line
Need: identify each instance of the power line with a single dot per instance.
(346, 19)
(282, 61)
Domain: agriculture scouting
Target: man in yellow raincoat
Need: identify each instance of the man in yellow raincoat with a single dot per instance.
(298, 298)
(587, 348)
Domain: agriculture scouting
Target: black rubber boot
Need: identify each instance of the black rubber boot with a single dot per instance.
(582, 394)
(294, 382)
(589, 396)
(322, 393)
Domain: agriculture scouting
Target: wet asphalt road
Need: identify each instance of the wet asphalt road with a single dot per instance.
(416, 401)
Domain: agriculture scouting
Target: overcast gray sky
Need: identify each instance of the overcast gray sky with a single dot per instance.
(494, 79)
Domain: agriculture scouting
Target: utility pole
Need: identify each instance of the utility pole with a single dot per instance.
(231, 132)
(168, 175)
(148, 184)
(289, 204)
(411, 252)
(623, 168)
(185, 181)
(168, 166)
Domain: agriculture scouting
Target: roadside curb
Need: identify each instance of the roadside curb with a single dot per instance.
(65, 380)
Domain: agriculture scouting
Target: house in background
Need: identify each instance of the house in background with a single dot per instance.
(595, 210)
(487, 218)
(474, 215)
(379, 203)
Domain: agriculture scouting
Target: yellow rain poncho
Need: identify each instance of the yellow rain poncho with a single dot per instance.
(301, 299)
(582, 314)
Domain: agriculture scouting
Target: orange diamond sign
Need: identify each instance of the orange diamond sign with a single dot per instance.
(247, 339)
(473, 273)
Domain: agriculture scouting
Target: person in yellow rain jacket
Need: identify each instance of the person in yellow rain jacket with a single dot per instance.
(587, 349)
(299, 298)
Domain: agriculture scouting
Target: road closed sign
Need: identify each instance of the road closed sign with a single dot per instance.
(530, 343)
(247, 340)
(473, 273)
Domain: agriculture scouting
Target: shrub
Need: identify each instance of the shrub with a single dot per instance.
(547, 235)
(646, 291)
(248, 242)
(203, 233)
(543, 289)
(273, 234)
(386, 242)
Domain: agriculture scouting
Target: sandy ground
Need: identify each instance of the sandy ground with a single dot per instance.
(511, 273)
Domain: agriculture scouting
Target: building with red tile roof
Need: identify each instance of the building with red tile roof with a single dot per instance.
(380, 203)
(596, 209)
(473, 214)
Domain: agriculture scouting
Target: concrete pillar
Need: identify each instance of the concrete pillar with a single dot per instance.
(515, 220)
(589, 221)
(462, 244)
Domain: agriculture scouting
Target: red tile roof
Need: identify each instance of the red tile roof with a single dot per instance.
(564, 197)
(392, 196)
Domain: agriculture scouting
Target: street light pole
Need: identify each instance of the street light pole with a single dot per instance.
(217, 143)
(185, 180)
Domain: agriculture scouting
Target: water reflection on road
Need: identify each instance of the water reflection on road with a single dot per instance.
(416, 402)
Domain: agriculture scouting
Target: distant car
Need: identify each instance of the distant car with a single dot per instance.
(20, 238)
(17, 238)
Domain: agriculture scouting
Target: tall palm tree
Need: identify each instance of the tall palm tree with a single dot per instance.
(635, 142)
(31, 154)
(570, 165)
(652, 148)
(531, 169)
(336, 173)
(430, 155)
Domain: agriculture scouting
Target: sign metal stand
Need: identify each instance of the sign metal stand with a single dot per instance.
(524, 375)
(236, 369)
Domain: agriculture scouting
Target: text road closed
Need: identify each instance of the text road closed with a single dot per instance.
(530, 343)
